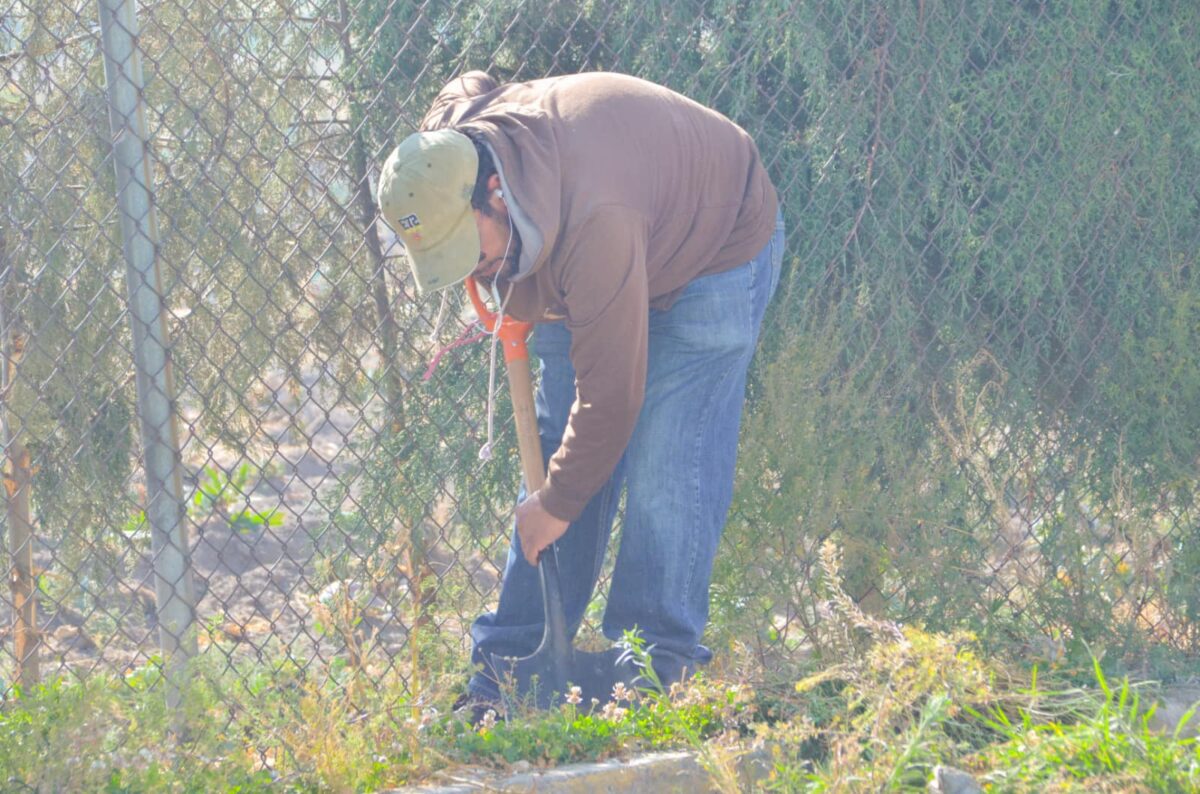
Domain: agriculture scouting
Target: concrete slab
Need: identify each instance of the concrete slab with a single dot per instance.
(668, 773)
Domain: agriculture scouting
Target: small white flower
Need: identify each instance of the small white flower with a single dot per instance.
(620, 693)
(575, 696)
(612, 712)
(489, 720)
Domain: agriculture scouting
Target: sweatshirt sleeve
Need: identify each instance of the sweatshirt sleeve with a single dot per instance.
(606, 296)
(465, 86)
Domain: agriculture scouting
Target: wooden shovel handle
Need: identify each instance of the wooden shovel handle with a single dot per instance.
(529, 445)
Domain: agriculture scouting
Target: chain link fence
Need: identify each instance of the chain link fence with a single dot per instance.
(980, 376)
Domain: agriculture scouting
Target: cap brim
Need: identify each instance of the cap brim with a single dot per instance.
(450, 261)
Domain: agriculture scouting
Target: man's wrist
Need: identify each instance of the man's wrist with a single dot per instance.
(554, 504)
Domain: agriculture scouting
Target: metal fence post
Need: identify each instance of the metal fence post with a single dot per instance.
(18, 481)
(155, 393)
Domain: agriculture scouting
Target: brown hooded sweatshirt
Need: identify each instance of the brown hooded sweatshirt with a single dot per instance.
(623, 192)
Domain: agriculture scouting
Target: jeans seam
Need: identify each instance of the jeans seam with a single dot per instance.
(697, 513)
(603, 511)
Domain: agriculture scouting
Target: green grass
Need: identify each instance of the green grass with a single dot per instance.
(1103, 742)
(272, 727)
(899, 702)
(909, 706)
(570, 734)
(894, 706)
(108, 735)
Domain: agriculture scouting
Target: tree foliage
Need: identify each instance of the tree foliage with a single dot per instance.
(980, 372)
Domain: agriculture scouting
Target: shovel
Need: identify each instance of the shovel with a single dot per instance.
(545, 677)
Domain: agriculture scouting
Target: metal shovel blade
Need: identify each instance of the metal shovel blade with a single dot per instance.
(544, 679)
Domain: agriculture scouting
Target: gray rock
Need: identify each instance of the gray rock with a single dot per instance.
(948, 780)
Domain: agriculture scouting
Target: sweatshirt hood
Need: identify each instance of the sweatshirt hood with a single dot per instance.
(525, 152)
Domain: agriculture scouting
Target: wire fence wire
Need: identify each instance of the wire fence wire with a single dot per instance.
(980, 377)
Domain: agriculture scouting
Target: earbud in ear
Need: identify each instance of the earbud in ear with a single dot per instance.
(499, 193)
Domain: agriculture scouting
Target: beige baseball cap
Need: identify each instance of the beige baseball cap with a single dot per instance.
(425, 196)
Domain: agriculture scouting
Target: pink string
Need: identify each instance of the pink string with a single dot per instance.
(465, 339)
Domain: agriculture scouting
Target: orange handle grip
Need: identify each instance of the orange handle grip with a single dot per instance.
(512, 332)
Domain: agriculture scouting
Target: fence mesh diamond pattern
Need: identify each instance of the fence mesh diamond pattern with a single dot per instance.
(981, 377)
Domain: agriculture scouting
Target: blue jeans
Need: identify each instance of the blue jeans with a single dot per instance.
(678, 470)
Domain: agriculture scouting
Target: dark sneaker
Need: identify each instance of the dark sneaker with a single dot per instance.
(474, 709)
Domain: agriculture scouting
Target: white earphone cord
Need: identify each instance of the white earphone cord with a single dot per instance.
(485, 452)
